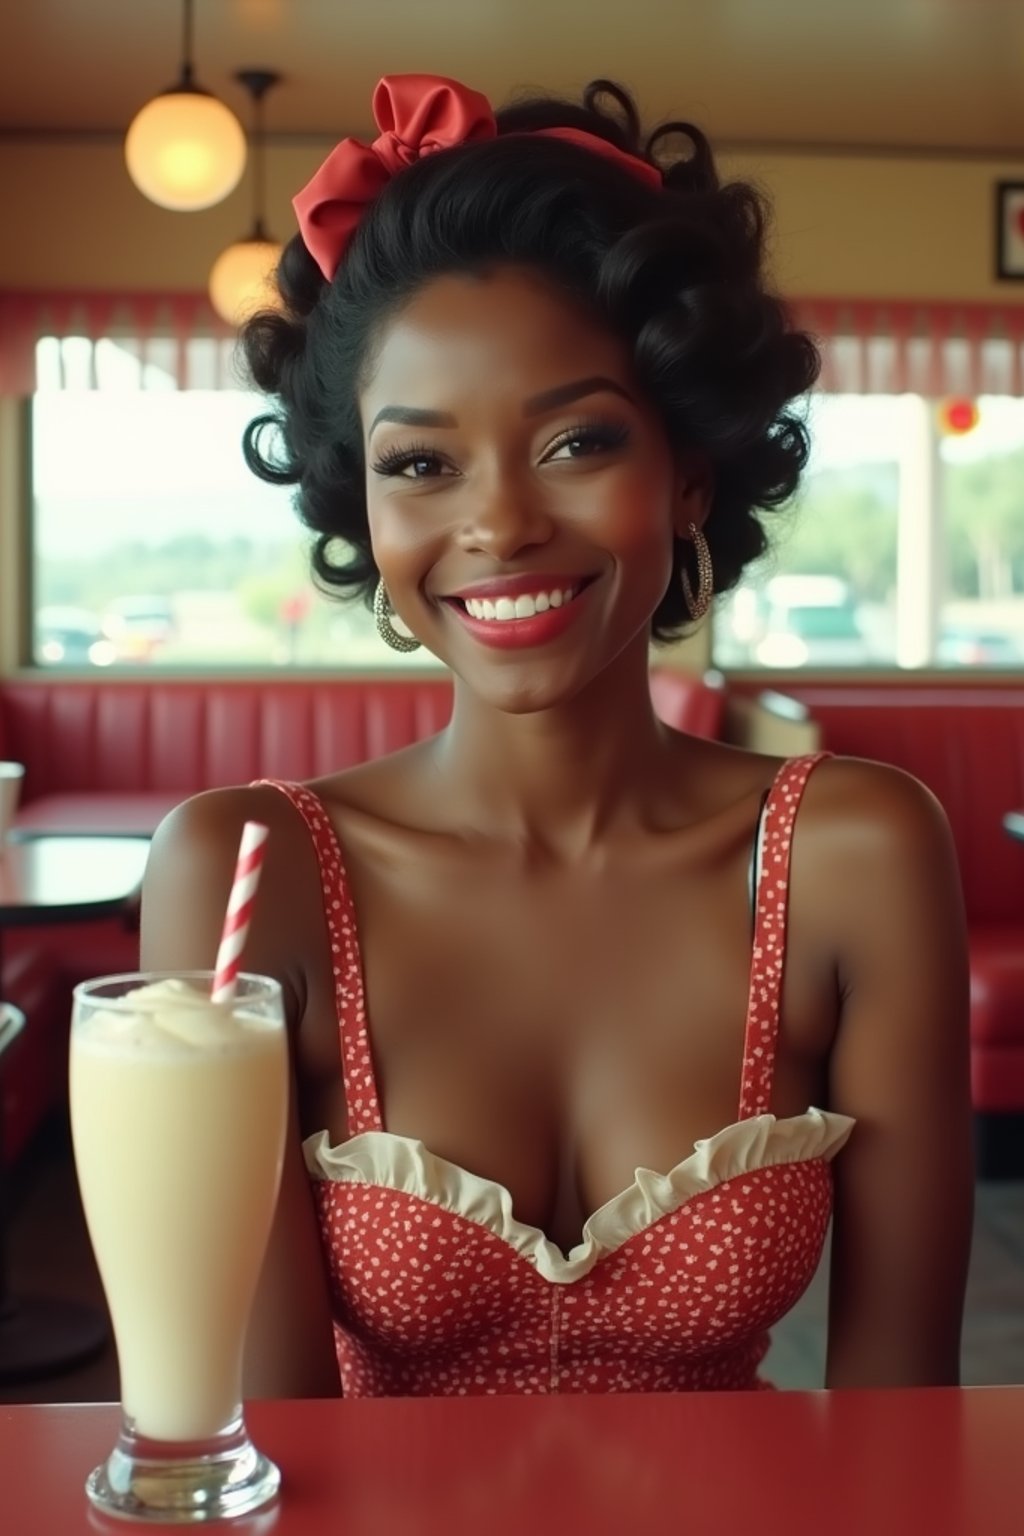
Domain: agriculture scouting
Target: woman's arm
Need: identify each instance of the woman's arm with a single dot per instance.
(900, 1065)
(289, 1349)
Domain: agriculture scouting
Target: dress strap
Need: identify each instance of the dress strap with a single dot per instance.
(362, 1101)
(768, 955)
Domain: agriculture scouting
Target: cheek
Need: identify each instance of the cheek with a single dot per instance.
(637, 515)
(401, 537)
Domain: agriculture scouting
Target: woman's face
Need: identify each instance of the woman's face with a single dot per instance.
(522, 493)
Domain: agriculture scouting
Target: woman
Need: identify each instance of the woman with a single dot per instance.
(563, 984)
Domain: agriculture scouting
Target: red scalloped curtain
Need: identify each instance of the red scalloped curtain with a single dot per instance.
(894, 347)
(95, 340)
(174, 340)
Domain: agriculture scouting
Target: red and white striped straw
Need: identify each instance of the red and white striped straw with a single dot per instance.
(239, 914)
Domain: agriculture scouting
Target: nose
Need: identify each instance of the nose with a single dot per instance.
(507, 515)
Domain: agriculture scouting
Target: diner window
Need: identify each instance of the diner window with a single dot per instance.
(153, 545)
(903, 548)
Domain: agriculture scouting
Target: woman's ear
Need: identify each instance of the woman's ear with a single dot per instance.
(694, 490)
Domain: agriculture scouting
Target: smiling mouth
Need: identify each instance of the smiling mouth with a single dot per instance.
(527, 605)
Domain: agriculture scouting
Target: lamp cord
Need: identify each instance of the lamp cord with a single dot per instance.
(186, 44)
(257, 83)
(257, 167)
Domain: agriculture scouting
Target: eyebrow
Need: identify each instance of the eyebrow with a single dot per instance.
(549, 400)
(565, 394)
(409, 416)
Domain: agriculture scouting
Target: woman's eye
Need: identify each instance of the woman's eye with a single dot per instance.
(420, 467)
(410, 464)
(583, 442)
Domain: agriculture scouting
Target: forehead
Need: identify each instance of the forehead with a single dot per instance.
(509, 331)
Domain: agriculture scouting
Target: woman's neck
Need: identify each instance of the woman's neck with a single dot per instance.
(560, 780)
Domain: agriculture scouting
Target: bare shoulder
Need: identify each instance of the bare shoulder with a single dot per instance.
(872, 811)
(875, 868)
(855, 814)
(208, 826)
(188, 880)
(197, 842)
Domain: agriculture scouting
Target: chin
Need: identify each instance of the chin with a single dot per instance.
(526, 689)
(534, 679)
(516, 695)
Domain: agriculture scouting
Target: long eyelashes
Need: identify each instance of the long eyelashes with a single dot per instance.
(588, 437)
(591, 437)
(395, 461)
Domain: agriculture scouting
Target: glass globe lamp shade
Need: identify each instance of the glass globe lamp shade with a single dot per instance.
(241, 279)
(185, 150)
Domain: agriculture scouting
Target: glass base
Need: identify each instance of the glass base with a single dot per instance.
(182, 1484)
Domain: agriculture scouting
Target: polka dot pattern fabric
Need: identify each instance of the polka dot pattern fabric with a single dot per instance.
(434, 1300)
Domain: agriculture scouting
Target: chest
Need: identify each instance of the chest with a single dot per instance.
(553, 1033)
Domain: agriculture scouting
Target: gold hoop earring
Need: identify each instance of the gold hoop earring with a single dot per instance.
(700, 603)
(382, 612)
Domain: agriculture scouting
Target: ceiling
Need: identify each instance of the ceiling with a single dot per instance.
(897, 74)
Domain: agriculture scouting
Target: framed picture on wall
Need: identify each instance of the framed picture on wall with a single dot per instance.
(1010, 229)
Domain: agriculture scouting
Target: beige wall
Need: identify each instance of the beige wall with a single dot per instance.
(845, 225)
(888, 228)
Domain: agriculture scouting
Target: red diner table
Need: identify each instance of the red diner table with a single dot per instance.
(934, 1462)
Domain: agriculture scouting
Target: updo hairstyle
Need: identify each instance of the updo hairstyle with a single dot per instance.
(677, 272)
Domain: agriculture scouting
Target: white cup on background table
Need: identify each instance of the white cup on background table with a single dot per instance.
(11, 775)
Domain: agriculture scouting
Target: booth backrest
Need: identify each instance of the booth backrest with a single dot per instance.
(170, 736)
(967, 745)
(179, 737)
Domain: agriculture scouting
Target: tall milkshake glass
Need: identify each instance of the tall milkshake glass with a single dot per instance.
(178, 1113)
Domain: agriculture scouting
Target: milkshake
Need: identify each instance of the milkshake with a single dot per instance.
(178, 1112)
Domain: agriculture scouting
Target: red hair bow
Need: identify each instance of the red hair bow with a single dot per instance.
(417, 115)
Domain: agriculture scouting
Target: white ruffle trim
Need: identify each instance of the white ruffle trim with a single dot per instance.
(400, 1163)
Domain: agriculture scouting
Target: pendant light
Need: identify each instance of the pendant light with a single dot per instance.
(185, 150)
(240, 281)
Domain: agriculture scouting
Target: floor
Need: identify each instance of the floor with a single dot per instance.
(48, 1252)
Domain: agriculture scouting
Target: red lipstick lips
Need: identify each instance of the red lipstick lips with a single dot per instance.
(547, 606)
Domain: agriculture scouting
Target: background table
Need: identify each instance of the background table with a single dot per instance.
(46, 880)
(1013, 822)
(68, 879)
(941, 1462)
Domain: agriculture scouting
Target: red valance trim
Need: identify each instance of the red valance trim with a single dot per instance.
(891, 346)
(26, 317)
(868, 345)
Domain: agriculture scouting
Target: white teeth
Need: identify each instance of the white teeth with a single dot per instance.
(523, 607)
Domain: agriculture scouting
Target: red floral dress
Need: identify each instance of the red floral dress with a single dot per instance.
(438, 1289)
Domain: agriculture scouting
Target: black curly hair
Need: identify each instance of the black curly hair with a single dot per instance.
(676, 271)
